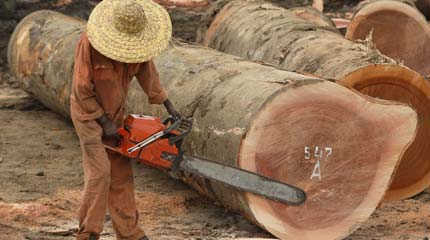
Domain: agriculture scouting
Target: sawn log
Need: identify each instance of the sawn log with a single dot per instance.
(260, 31)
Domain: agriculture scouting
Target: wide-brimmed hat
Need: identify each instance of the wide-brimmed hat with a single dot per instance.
(130, 31)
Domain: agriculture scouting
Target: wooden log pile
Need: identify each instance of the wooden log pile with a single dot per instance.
(282, 39)
(341, 147)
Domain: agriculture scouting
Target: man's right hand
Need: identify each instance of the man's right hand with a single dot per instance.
(110, 131)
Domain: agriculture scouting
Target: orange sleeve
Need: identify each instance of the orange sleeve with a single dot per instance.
(149, 80)
(83, 85)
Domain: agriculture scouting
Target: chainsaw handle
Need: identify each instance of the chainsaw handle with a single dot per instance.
(169, 120)
(184, 129)
(174, 124)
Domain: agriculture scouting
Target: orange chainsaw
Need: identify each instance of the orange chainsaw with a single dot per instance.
(158, 143)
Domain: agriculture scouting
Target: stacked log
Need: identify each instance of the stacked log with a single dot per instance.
(397, 29)
(341, 147)
(313, 15)
(191, 18)
(280, 38)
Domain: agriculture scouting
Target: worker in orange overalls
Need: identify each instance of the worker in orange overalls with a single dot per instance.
(119, 43)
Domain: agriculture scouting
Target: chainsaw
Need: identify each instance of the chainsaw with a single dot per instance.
(157, 143)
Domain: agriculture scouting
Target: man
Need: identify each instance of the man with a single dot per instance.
(120, 40)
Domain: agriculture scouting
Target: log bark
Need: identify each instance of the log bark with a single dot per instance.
(397, 29)
(341, 147)
(314, 16)
(264, 32)
(191, 18)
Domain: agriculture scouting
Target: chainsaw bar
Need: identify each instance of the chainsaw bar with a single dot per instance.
(243, 180)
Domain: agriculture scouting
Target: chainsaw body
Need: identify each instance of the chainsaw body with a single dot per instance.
(140, 127)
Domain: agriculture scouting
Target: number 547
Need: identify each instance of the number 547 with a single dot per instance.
(318, 152)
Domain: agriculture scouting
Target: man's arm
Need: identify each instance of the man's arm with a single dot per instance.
(84, 89)
(83, 85)
(149, 80)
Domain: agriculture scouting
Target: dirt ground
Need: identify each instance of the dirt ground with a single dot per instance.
(41, 181)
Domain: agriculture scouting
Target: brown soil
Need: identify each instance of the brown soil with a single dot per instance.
(41, 177)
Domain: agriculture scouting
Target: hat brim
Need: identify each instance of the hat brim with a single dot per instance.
(125, 47)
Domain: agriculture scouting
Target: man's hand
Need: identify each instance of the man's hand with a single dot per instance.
(171, 110)
(110, 131)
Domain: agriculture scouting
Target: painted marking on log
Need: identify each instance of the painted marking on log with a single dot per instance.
(235, 131)
(320, 154)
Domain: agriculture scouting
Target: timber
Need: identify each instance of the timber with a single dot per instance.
(191, 18)
(282, 39)
(313, 15)
(341, 147)
(397, 30)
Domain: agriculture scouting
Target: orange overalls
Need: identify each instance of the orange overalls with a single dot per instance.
(100, 86)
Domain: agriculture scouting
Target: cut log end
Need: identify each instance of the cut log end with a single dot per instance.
(400, 31)
(333, 143)
(398, 83)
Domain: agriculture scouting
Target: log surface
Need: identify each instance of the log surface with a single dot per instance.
(264, 32)
(191, 19)
(312, 15)
(339, 146)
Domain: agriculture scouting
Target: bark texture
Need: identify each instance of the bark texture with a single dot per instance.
(339, 146)
(314, 16)
(264, 32)
(191, 19)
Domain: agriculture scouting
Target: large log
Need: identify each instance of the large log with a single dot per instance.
(339, 146)
(191, 18)
(313, 15)
(397, 30)
(264, 32)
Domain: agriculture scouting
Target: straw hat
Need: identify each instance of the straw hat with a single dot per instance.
(130, 31)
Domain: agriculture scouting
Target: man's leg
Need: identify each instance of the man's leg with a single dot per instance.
(96, 166)
(122, 205)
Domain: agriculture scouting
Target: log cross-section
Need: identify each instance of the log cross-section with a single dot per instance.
(397, 30)
(261, 31)
(341, 147)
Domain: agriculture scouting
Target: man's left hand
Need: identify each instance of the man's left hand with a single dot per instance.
(171, 109)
